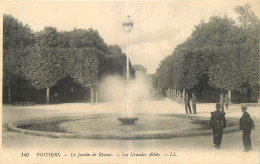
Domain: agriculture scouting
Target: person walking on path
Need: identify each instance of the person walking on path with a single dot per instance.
(221, 101)
(187, 103)
(194, 102)
(246, 124)
(226, 102)
(217, 123)
(56, 97)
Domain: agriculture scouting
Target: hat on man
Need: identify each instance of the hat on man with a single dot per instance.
(243, 107)
(218, 106)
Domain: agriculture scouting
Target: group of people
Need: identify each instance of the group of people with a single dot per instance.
(187, 103)
(224, 101)
(218, 123)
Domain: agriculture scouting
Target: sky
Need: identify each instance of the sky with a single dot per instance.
(159, 26)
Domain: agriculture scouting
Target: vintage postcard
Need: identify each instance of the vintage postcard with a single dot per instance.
(130, 81)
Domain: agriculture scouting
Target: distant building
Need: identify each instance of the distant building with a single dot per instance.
(140, 71)
(147, 79)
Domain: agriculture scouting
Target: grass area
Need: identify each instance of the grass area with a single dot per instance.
(205, 124)
(48, 126)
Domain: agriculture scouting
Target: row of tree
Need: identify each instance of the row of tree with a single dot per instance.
(46, 57)
(220, 53)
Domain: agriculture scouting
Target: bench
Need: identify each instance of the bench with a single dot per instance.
(23, 103)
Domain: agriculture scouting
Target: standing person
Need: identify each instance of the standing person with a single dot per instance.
(194, 102)
(226, 102)
(217, 123)
(56, 97)
(187, 103)
(246, 124)
(221, 101)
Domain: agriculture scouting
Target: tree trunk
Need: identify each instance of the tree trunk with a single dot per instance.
(183, 95)
(9, 94)
(96, 96)
(180, 98)
(178, 95)
(92, 95)
(47, 95)
(174, 94)
(229, 95)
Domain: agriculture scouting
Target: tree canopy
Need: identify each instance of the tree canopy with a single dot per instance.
(44, 64)
(221, 50)
(44, 58)
(81, 38)
(86, 66)
(17, 37)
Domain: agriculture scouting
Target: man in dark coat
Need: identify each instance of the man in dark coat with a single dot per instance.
(217, 123)
(194, 102)
(187, 103)
(246, 124)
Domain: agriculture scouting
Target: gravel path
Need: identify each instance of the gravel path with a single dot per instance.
(189, 149)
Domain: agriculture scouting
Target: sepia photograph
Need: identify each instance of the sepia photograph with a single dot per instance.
(130, 81)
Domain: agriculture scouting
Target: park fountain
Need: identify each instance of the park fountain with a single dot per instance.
(103, 122)
(128, 119)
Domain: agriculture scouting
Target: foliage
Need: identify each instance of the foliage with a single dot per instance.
(44, 66)
(15, 34)
(246, 17)
(81, 38)
(221, 50)
(86, 66)
(45, 57)
(16, 38)
(116, 61)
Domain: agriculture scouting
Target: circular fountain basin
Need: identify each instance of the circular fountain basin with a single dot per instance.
(107, 126)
